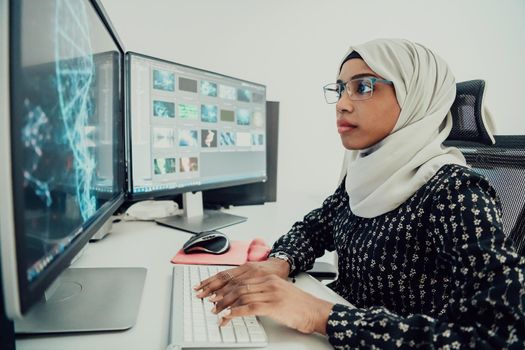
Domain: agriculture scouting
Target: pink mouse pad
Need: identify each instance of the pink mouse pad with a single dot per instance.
(240, 252)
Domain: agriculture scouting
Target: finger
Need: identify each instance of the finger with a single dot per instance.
(240, 281)
(253, 309)
(240, 293)
(234, 272)
(210, 279)
(236, 285)
(219, 290)
(223, 302)
(217, 281)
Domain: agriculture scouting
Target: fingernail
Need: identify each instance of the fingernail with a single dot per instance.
(226, 312)
(195, 287)
(222, 321)
(214, 310)
(212, 297)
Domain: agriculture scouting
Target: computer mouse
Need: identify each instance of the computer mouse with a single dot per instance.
(213, 242)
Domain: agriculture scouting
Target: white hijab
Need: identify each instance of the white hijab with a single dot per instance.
(385, 175)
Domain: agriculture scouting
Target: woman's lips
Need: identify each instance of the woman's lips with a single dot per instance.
(343, 127)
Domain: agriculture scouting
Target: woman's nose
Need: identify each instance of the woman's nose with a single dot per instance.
(345, 104)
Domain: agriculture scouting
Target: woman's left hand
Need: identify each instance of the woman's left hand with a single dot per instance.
(273, 297)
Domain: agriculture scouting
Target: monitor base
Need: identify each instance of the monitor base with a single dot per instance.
(210, 220)
(103, 231)
(88, 300)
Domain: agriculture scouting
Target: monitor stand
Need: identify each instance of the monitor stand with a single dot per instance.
(87, 300)
(195, 219)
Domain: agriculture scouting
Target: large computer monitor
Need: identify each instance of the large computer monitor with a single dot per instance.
(190, 130)
(62, 164)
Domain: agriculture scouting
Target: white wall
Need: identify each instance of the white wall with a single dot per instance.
(294, 47)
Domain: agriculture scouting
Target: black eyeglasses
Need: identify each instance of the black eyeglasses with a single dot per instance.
(358, 89)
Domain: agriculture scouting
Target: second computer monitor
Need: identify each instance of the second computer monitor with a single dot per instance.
(191, 129)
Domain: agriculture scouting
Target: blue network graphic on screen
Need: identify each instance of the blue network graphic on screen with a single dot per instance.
(65, 115)
(75, 74)
(34, 135)
(42, 135)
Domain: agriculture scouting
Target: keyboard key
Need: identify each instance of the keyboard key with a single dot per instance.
(199, 333)
(258, 337)
(215, 335)
(238, 321)
(227, 334)
(188, 335)
(241, 333)
(250, 319)
(255, 329)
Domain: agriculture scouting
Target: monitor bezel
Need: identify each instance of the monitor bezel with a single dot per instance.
(134, 196)
(20, 294)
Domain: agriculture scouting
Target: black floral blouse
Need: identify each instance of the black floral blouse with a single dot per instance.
(437, 271)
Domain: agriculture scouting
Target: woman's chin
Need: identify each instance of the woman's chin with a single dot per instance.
(350, 144)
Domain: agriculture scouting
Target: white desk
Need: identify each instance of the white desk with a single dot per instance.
(145, 244)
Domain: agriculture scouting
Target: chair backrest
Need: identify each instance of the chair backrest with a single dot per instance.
(502, 162)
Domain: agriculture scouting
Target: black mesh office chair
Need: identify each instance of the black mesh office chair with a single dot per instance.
(501, 159)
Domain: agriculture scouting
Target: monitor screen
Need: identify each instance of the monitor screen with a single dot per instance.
(191, 129)
(66, 136)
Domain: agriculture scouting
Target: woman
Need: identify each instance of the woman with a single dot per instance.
(422, 254)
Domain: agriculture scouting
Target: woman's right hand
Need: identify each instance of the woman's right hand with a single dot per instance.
(237, 275)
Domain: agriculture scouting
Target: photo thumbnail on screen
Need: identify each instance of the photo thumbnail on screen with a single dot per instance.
(258, 119)
(188, 85)
(227, 138)
(189, 164)
(257, 139)
(188, 138)
(163, 80)
(188, 112)
(163, 109)
(227, 92)
(227, 115)
(208, 138)
(163, 137)
(209, 113)
(243, 116)
(257, 98)
(164, 166)
(208, 88)
(243, 139)
(244, 95)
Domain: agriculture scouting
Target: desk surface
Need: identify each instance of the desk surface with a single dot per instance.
(145, 244)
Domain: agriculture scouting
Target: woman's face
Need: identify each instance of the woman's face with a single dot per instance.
(362, 124)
